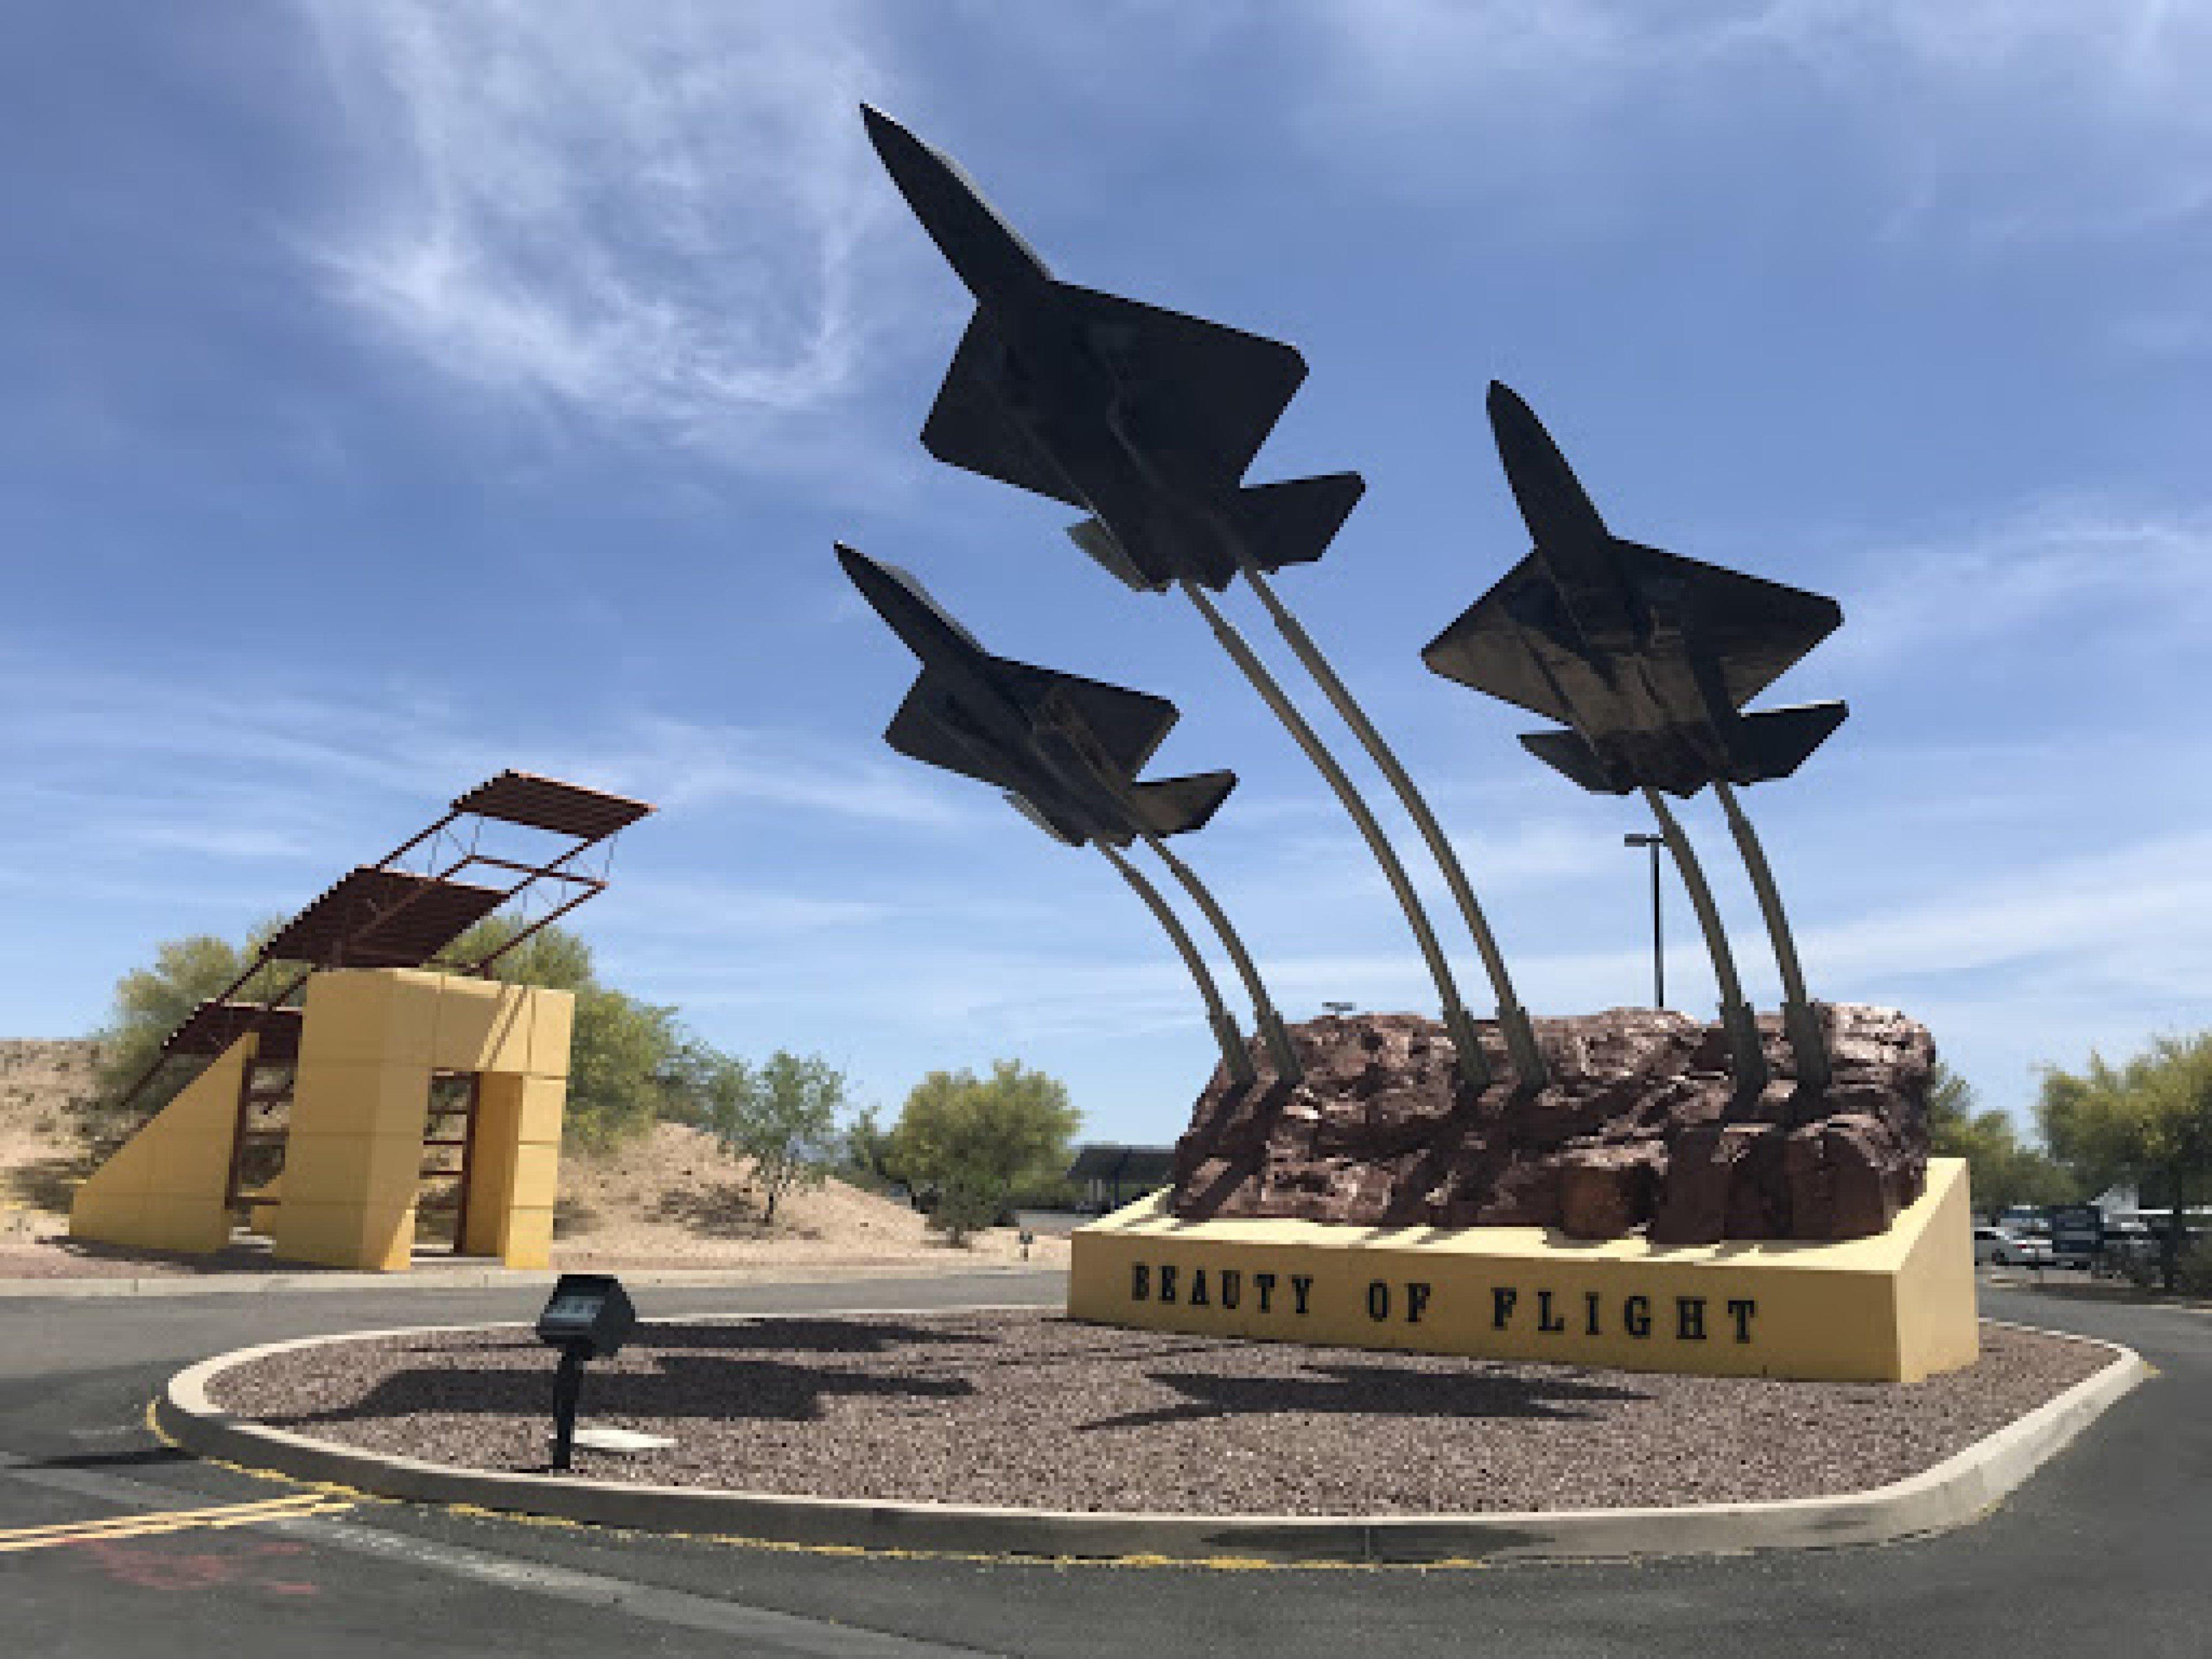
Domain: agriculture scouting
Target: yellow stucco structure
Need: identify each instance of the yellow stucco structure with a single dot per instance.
(371, 1041)
(1896, 1307)
(163, 1187)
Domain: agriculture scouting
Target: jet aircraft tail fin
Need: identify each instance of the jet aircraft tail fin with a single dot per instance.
(1094, 538)
(1568, 752)
(1030, 810)
(1294, 522)
(1174, 805)
(1781, 738)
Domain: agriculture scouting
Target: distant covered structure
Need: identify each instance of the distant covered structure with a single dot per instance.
(1112, 1175)
(355, 1060)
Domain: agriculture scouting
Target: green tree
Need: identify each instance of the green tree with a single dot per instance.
(782, 1113)
(622, 1061)
(871, 1154)
(152, 1001)
(2001, 1170)
(973, 1138)
(2148, 1121)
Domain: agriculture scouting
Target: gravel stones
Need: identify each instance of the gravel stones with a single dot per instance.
(1031, 1410)
(1641, 1126)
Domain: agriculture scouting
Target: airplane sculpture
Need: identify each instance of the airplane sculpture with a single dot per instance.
(1147, 419)
(1649, 658)
(1066, 751)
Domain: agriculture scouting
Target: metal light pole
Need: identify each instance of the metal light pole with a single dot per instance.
(1658, 949)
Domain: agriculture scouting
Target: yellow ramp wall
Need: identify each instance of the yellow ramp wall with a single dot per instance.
(1895, 1308)
(370, 1040)
(163, 1188)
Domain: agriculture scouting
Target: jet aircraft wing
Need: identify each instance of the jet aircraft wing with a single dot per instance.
(1756, 628)
(1199, 388)
(1186, 386)
(971, 428)
(1129, 725)
(1485, 647)
(921, 730)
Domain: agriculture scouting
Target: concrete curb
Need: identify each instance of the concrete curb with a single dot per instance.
(476, 1279)
(1951, 1494)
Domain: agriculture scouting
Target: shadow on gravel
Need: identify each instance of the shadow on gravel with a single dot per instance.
(1366, 1391)
(682, 1385)
(807, 1335)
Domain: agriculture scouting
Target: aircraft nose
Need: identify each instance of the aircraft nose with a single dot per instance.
(859, 566)
(885, 134)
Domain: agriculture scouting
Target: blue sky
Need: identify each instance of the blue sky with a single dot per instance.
(395, 393)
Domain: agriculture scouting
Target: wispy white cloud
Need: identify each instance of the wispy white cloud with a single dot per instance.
(2003, 581)
(657, 214)
(1997, 120)
(687, 764)
(116, 761)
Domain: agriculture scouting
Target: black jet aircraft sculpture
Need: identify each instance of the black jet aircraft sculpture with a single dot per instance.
(1649, 658)
(1147, 420)
(1067, 750)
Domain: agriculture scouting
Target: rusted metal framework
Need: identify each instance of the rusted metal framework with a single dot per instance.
(388, 915)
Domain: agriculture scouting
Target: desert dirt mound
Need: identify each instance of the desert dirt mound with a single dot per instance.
(674, 1199)
(670, 1199)
(41, 1151)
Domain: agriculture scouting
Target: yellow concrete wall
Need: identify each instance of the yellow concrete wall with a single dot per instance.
(370, 1041)
(1896, 1307)
(516, 1165)
(163, 1188)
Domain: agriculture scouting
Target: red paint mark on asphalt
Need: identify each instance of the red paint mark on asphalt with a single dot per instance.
(138, 1564)
(145, 1564)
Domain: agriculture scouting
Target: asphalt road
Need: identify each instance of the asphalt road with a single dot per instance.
(2104, 1551)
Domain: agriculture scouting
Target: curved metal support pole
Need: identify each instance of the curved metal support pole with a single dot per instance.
(1512, 1018)
(1233, 1052)
(1458, 1023)
(1798, 1019)
(1746, 1059)
(1272, 1030)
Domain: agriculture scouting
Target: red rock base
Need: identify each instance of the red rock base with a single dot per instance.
(1639, 1127)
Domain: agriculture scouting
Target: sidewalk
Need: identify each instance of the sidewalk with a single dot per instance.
(483, 1277)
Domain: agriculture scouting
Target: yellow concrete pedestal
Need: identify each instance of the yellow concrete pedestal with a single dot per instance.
(370, 1043)
(1895, 1308)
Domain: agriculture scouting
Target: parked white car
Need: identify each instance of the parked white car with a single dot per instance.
(2000, 1247)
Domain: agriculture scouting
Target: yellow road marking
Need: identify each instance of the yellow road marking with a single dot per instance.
(167, 1520)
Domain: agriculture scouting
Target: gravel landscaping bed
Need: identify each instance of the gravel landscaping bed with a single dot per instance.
(1033, 1410)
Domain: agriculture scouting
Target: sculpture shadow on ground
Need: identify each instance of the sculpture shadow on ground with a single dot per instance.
(681, 1386)
(805, 1336)
(1369, 1391)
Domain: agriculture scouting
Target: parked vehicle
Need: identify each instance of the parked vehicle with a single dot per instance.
(2000, 1247)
